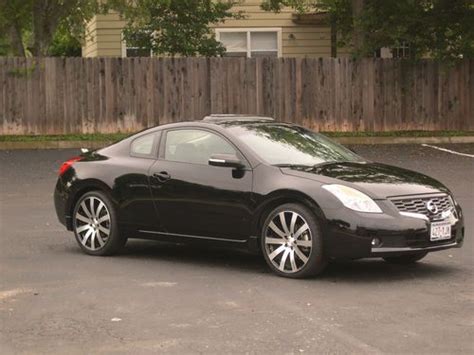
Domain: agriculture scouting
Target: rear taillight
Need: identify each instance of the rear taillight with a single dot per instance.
(67, 164)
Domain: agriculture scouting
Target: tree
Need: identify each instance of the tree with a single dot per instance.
(64, 44)
(31, 25)
(174, 27)
(441, 28)
(14, 18)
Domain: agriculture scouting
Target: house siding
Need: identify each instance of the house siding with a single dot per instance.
(297, 40)
(104, 36)
(104, 32)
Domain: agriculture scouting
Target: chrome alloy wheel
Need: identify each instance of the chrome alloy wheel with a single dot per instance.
(288, 241)
(92, 223)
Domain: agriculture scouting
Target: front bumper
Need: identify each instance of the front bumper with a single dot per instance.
(394, 251)
(349, 234)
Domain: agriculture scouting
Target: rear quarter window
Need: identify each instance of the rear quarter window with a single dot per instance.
(143, 146)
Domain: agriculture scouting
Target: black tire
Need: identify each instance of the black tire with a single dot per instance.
(292, 245)
(114, 240)
(405, 259)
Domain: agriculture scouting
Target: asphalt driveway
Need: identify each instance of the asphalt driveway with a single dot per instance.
(163, 298)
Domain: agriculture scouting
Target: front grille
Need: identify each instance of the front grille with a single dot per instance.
(418, 205)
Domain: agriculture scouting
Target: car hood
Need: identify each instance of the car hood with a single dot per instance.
(376, 180)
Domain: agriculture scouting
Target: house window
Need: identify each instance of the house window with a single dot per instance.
(137, 52)
(402, 51)
(259, 42)
(130, 51)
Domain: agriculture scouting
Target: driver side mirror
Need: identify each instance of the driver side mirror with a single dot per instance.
(226, 160)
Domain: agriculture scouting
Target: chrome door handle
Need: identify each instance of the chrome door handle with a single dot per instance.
(162, 176)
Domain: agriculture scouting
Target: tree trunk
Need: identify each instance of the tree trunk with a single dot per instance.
(358, 33)
(16, 41)
(45, 22)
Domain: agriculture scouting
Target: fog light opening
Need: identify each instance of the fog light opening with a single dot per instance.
(376, 242)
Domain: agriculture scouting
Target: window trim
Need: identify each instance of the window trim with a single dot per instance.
(164, 137)
(249, 30)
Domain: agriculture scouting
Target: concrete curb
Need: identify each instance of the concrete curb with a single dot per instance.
(342, 140)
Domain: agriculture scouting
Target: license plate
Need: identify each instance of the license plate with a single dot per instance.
(440, 231)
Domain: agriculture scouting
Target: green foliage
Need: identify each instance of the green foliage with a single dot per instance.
(15, 18)
(64, 44)
(174, 27)
(56, 27)
(443, 29)
(44, 27)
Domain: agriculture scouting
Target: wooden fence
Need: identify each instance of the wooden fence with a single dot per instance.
(78, 95)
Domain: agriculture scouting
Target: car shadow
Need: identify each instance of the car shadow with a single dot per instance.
(350, 271)
(195, 254)
(378, 270)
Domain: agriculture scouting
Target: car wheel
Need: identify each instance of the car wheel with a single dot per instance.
(95, 225)
(291, 242)
(405, 259)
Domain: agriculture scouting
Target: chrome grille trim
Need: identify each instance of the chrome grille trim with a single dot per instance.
(417, 205)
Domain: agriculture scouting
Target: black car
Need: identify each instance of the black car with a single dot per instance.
(250, 182)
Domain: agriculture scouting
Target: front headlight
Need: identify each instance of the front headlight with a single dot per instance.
(353, 199)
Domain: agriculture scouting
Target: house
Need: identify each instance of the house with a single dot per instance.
(259, 33)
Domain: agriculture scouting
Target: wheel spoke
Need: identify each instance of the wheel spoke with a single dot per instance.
(276, 252)
(283, 223)
(300, 231)
(93, 240)
(104, 230)
(99, 208)
(277, 230)
(84, 208)
(292, 261)
(86, 237)
(301, 255)
(294, 217)
(305, 243)
(283, 259)
(103, 218)
(83, 228)
(82, 218)
(91, 202)
(274, 241)
(99, 239)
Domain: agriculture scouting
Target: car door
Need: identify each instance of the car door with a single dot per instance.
(195, 199)
(131, 190)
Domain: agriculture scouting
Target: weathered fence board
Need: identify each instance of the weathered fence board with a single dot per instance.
(79, 95)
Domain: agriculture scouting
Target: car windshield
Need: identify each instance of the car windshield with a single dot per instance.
(279, 144)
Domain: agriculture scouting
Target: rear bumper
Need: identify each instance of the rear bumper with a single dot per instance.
(61, 204)
(349, 234)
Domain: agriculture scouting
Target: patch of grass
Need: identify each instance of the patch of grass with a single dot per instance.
(401, 134)
(112, 137)
(95, 137)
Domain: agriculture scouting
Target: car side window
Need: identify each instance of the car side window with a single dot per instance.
(143, 145)
(194, 146)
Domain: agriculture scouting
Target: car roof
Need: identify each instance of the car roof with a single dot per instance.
(215, 120)
(231, 118)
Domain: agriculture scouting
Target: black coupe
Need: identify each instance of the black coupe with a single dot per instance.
(250, 182)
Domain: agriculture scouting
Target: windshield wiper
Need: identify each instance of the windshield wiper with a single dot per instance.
(316, 166)
(326, 163)
(293, 166)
